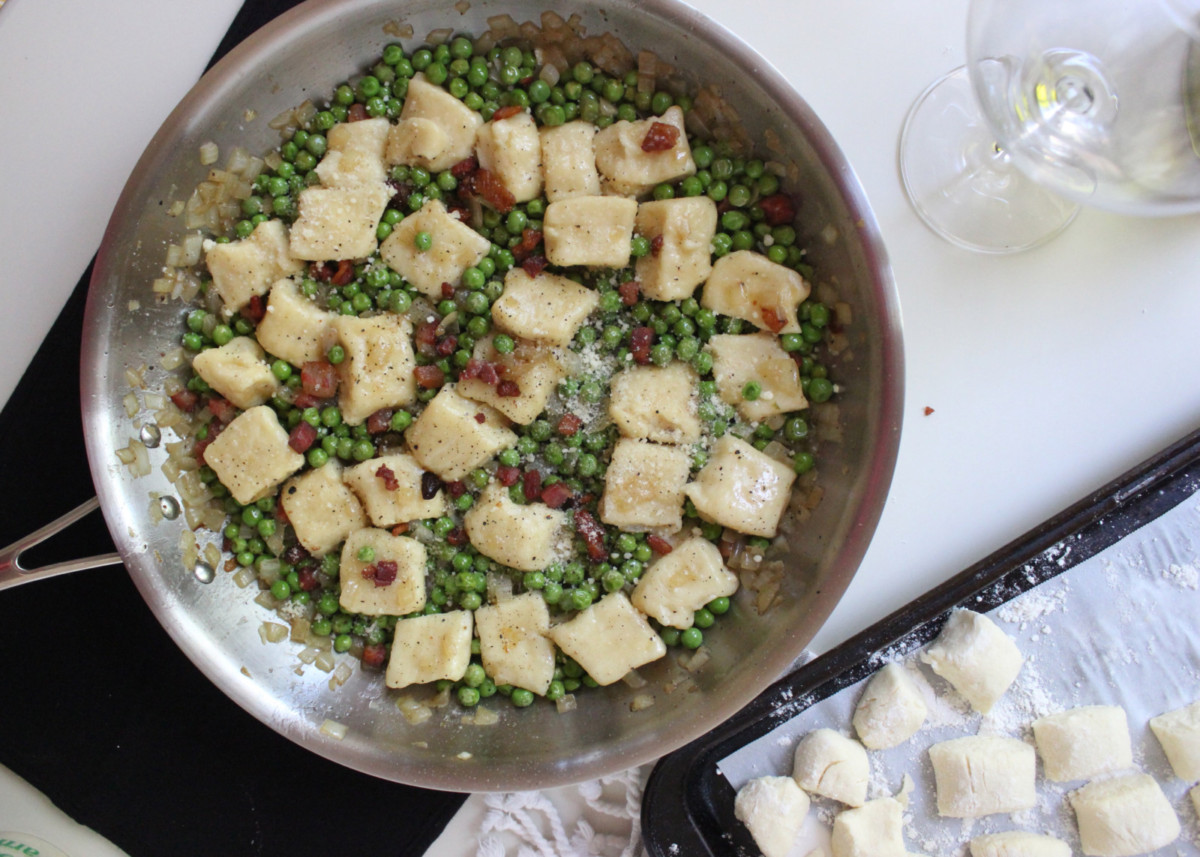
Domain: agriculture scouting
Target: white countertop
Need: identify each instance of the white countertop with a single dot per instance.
(1048, 373)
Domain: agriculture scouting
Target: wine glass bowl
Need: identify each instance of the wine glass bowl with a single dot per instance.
(1096, 103)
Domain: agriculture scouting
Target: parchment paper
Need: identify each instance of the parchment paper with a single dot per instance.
(1120, 628)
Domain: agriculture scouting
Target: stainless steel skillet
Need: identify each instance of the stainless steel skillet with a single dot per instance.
(304, 54)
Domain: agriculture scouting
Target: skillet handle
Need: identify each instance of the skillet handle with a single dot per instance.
(12, 573)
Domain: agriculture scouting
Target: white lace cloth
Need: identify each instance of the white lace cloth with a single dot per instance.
(532, 824)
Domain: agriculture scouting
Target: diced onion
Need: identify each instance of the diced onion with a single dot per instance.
(484, 717)
(239, 160)
(647, 73)
(190, 250)
(696, 660)
(189, 549)
(244, 576)
(499, 588)
(155, 508)
(565, 703)
(300, 626)
(325, 662)
(268, 570)
(209, 153)
(634, 679)
(334, 729)
(641, 702)
(272, 632)
(414, 712)
(131, 404)
(340, 675)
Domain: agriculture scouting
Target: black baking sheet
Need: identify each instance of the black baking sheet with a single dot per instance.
(687, 808)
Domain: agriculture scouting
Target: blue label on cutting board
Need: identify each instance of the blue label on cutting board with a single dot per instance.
(13, 844)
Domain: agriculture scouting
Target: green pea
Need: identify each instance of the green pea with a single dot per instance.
(474, 675)
(610, 301)
(661, 103)
(401, 420)
(362, 450)
(587, 465)
(552, 592)
(527, 445)
(692, 638)
(553, 115)
(280, 588)
(739, 195)
(400, 301)
(743, 240)
(768, 184)
(791, 342)
(751, 391)
(802, 462)
(539, 91)
(582, 72)
(722, 244)
(476, 303)
(692, 186)
(504, 344)
(819, 390)
(473, 278)
(670, 636)
(796, 428)
(479, 326)
(316, 144)
(661, 354)
(331, 564)
(222, 334)
(718, 606)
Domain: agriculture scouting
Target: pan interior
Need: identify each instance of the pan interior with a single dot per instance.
(304, 54)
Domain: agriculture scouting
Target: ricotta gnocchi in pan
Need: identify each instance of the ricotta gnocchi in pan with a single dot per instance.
(501, 370)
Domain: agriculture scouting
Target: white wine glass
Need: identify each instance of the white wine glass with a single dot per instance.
(1061, 103)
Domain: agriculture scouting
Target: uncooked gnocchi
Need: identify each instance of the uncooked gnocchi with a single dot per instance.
(976, 657)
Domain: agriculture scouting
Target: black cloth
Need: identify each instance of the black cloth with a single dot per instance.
(105, 715)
